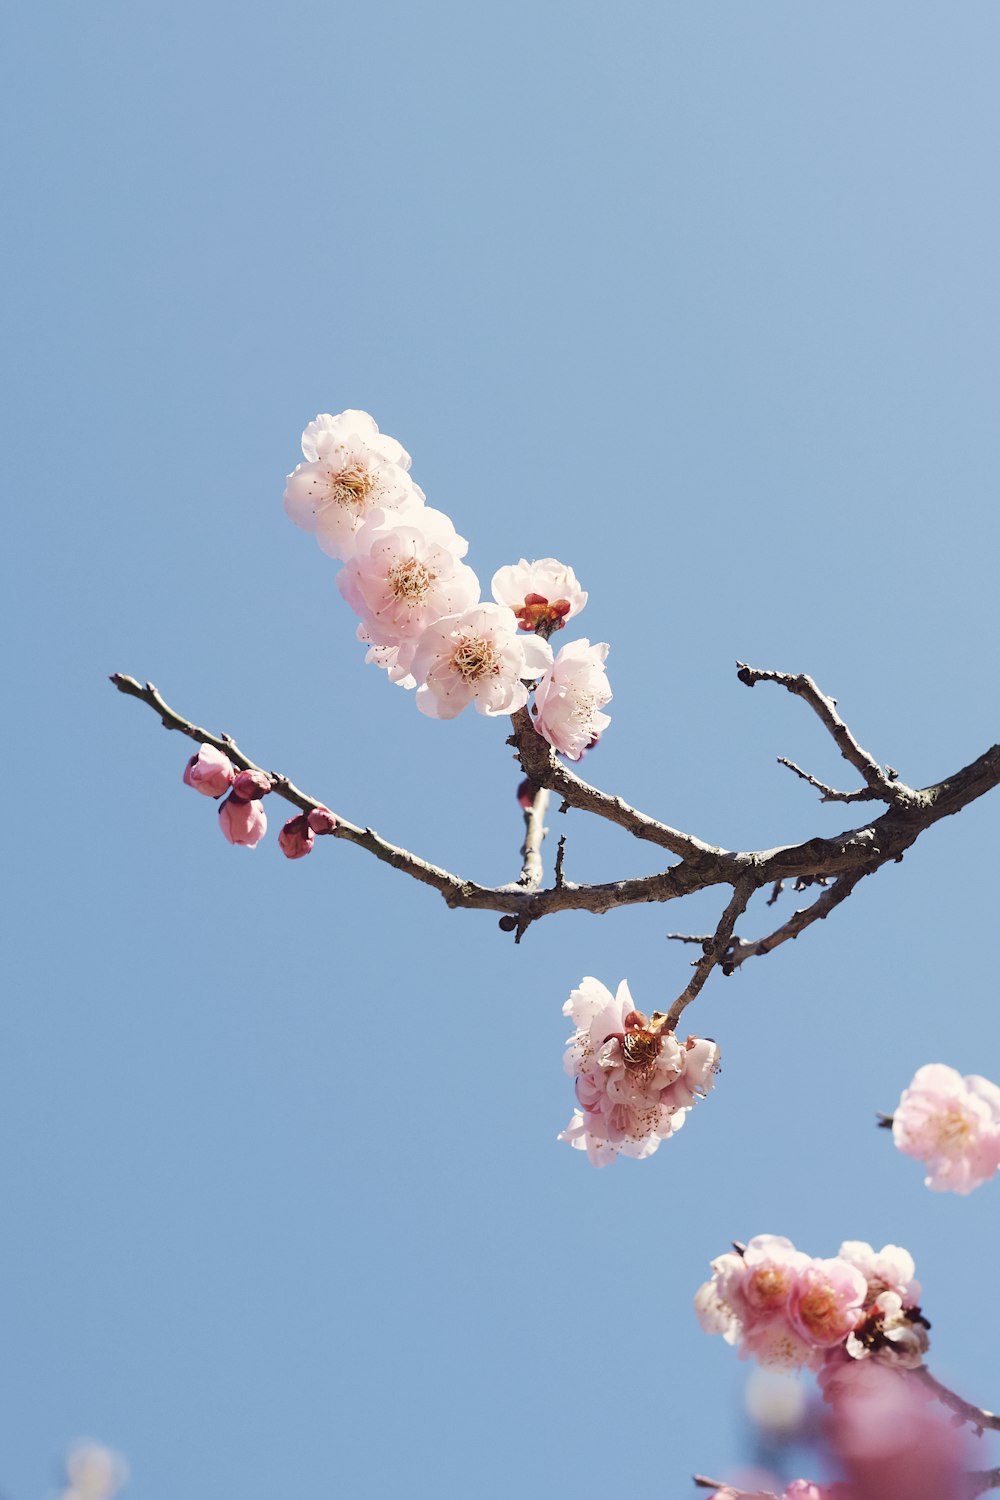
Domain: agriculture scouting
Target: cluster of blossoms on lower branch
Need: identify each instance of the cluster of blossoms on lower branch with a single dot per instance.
(635, 1082)
(242, 818)
(953, 1125)
(843, 1317)
(419, 604)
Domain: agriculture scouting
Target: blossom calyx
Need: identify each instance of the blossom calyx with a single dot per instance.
(249, 785)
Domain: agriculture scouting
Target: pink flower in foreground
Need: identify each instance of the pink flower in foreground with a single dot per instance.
(569, 698)
(296, 837)
(243, 822)
(953, 1125)
(404, 577)
(351, 469)
(624, 1066)
(891, 1444)
(541, 594)
(748, 1300)
(209, 772)
(476, 657)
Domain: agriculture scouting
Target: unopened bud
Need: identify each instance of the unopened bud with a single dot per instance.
(321, 820)
(251, 784)
(526, 793)
(242, 822)
(296, 838)
(209, 772)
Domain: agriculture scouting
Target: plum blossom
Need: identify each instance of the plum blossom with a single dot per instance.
(321, 820)
(890, 1444)
(243, 822)
(476, 657)
(543, 594)
(405, 575)
(837, 1316)
(94, 1472)
(625, 1066)
(296, 838)
(351, 470)
(209, 772)
(953, 1125)
(890, 1269)
(569, 698)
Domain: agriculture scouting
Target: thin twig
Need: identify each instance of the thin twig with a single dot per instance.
(832, 896)
(532, 870)
(560, 879)
(886, 788)
(975, 1416)
(863, 794)
(714, 951)
(541, 765)
(981, 1480)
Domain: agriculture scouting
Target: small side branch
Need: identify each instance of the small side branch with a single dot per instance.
(975, 1416)
(541, 765)
(880, 784)
(981, 1480)
(832, 896)
(863, 794)
(713, 951)
(532, 869)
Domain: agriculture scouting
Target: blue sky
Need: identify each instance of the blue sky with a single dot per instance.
(702, 299)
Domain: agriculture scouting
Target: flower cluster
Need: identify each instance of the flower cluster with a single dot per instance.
(951, 1123)
(840, 1317)
(242, 818)
(418, 603)
(634, 1081)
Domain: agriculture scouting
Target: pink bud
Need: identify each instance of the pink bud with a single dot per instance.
(526, 793)
(321, 820)
(251, 784)
(209, 772)
(296, 838)
(242, 822)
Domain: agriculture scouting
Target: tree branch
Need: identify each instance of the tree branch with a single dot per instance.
(713, 950)
(981, 1480)
(532, 869)
(879, 783)
(845, 858)
(540, 764)
(975, 1416)
(864, 794)
(832, 896)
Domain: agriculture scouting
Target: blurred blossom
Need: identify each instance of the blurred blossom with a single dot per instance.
(94, 1473)
(776, 1403)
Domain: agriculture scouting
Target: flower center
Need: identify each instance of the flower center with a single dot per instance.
(769, 1288)
(410, 580)
(475, 657)
(953, 1133)
(640, 1049)
(351, 486)
(819, 1309)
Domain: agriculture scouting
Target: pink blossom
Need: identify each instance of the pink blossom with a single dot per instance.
(890, 1269)
(351, 469)
(826, 1301)
(209, 772)
(543, 594)
(296, 837)
(403, 577)
(891, 1444)
(624, 1065)
(953, 1125)
(569, 698)
(476, 657)
(321, 820)
(243, 822)
(393, 660)
(251, 784)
